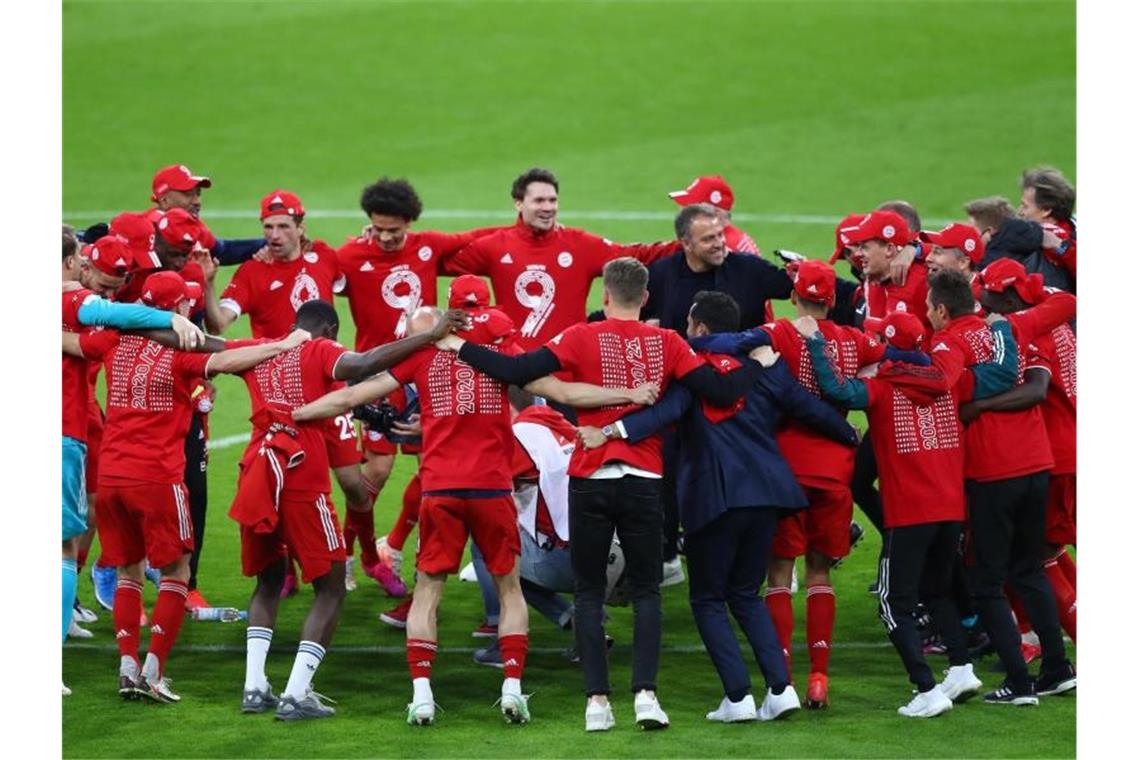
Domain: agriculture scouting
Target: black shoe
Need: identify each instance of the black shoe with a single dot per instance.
(1006, 695)
(979, 644)
(873, 588)
(1059, 682)
(856, 533)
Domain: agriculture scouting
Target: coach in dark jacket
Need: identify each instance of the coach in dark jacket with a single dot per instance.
(733, 485)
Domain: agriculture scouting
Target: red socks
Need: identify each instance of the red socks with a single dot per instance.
(127, 610)
(1065, 595)
(364, 528)
(513, 648)
(409, 514)
(779, 602)
(169, 612)
(820, 623)
(421, 656)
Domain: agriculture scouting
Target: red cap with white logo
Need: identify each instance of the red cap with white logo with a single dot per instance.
(182, 230)
(713, 190)
(137, 231)
(850, 222)
(468, 291)
(815, 281)
(164, 290)
(175, 177)
(880, 225)
(110, 255)
(281, 202)
(903, 331)
(964, 237)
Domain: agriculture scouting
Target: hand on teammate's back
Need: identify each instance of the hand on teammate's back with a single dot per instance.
(453, 319)
(645, 394)
(765, 355)
(806, 326)
(295, 338)
(189, 335)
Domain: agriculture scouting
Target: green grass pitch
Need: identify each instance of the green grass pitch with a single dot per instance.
(810, 110)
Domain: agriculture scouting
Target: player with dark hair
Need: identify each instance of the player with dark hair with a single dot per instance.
(541, 272)
(143, 513)
(389, 271)
(616, 486)
(466, 477)
(1048, 199)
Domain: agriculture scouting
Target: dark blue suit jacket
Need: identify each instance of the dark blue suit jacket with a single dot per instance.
(736, 462)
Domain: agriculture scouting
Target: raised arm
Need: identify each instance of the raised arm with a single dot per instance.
(353, 365)
(233, 252)
(236, 360)
(123, 316)
(340, 401)
(218, 318)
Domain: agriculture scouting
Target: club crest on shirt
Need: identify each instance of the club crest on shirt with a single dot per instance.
(565, 259)
(424, 253)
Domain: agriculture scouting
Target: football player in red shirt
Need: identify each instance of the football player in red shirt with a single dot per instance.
(284, 504)
(389, 272)
(957, 247)
(1051, 381)
(1048, 199)
(142, 501)
(880, 238)
(618, 484)
(466, 473)
(541, 271)
(714, 191)
(913, 424)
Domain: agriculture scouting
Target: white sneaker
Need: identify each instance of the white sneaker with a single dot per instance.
(421, 713)
(960, 683)
(66, 691)
(734, 712)
(467, 574)
(350, 574)
(81, 614)
(672, 574)
(394, 558)
(648, 712)
(599, 717)
(75, 632)
(776, 706)
(927, 704)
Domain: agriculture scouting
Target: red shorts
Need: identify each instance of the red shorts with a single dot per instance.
(378, 443)
(446, 521)
(94, 439)
(824, 526)
(307, 528)
(1061, 510)
(340, 442)
(140, 520)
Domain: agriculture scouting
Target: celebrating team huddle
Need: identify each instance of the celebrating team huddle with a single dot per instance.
(556, 441)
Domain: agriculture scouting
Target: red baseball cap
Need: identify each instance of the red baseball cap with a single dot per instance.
(842, 242)
(193, 294)
(281, 202)
(488, 324)
(964, 237)
(711, 189)
(815, 281)
(903, 330)
(110, 255)
(164, 290)
(1008, 273)
(468, 291)
(181, 229)
(175, 177)
(137, 231)
(880, 225)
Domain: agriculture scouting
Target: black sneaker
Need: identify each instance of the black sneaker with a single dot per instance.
(1059, 682)
(1005, 695)
(130, 689)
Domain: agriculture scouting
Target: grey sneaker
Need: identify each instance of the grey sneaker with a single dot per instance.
(490, 655)
(157, 691)
(289, 708)
(254, 701)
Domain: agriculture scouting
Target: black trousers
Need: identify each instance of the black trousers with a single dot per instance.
(631, 506)
(728, 560)
(863, 489)
(670, 507)
(195, 478)
(918, 560)
(1007, 522)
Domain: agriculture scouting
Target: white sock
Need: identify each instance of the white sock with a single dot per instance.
(257, 641)
(421, 691)
(512, 686)
(150, 667)
(129, 666)
(309, 656)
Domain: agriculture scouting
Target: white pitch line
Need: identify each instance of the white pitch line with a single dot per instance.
(500, 214)
(227, 441)
(356, 649)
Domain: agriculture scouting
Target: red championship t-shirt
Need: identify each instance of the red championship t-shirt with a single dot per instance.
(466, 419)
(75, 370)
(816, 460)
(618, 353)
(884, 297)
(385, 287)
(919, 452)
(271, 293)
(286, 382)
(542, 280)
(1056, 353)
(148, 406)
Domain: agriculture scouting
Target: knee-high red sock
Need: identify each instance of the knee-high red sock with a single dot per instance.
(820, 623)
(349, 534)
(409, 514)
(1068, 566)
(169, 612)
(126, 611)
(1018, 608)
(364, 527)
(421, 656)
(779, 602)
(513, 647)
(1066, 598)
